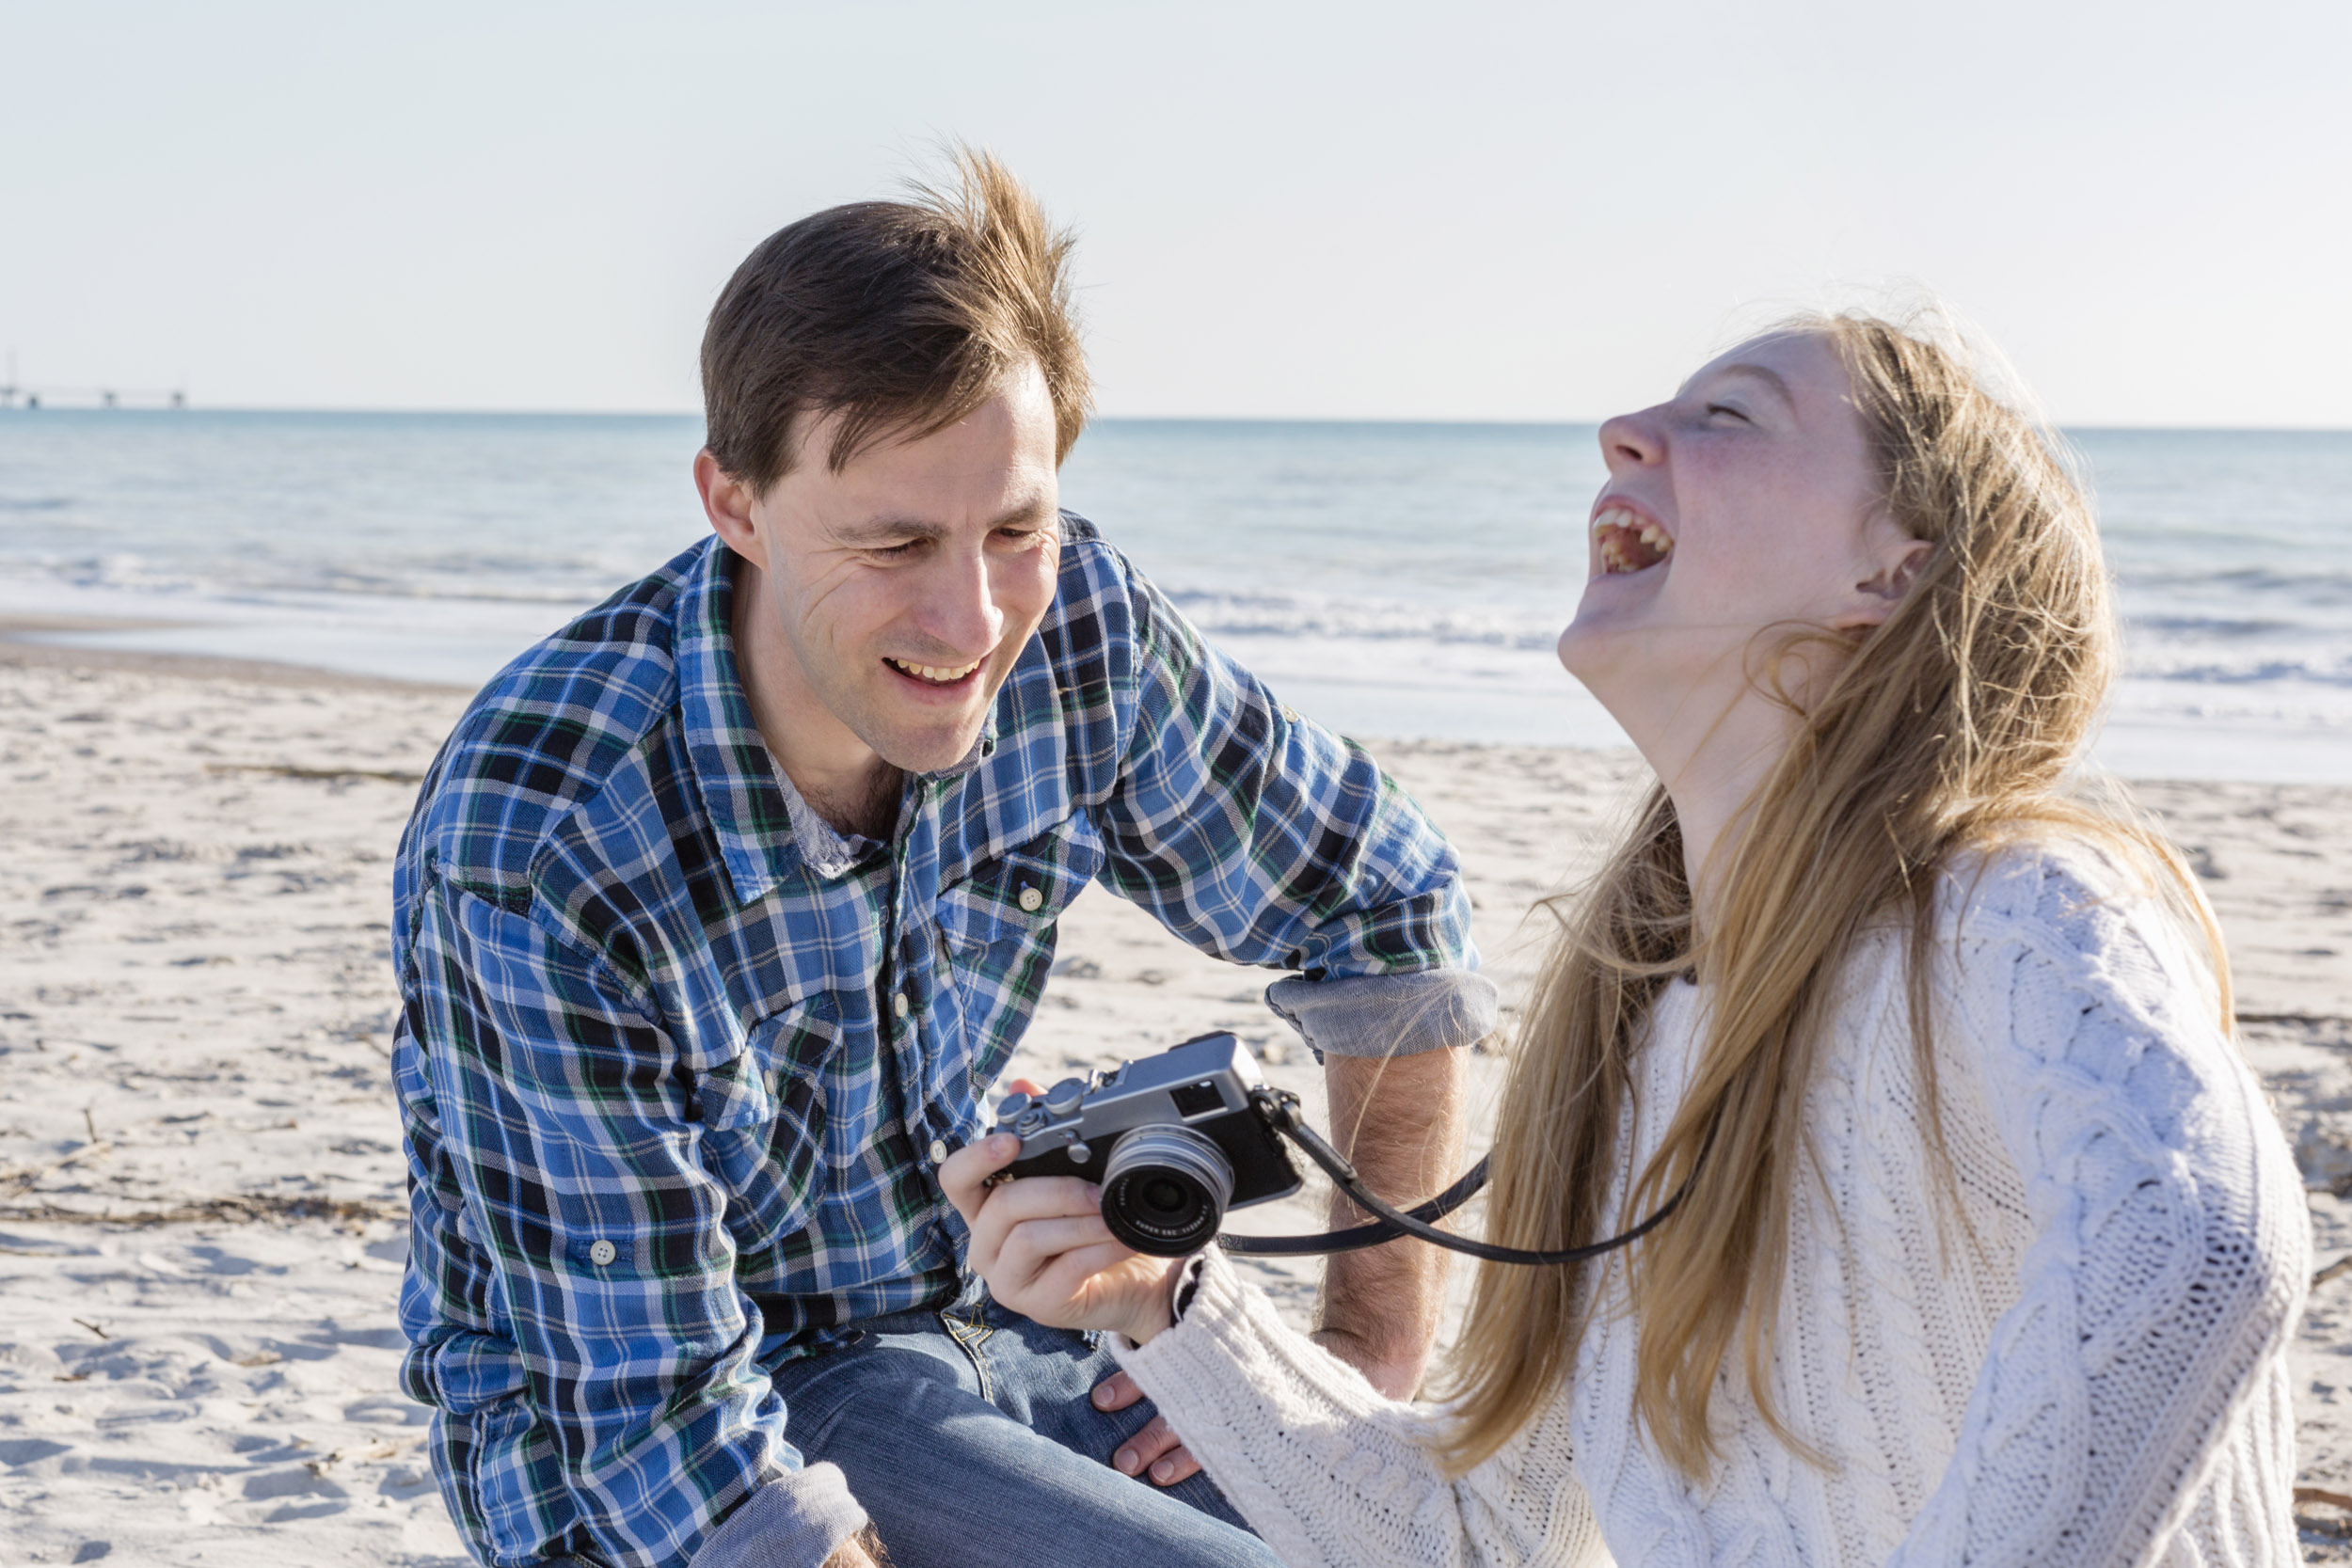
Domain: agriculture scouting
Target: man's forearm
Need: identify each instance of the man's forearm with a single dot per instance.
(1400, 1120)
(862, 1550)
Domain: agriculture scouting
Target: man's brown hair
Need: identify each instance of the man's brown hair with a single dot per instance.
(900, 317)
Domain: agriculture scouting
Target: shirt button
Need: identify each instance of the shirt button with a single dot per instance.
(1031, 900)
(603, 1253)
(899, 1005)
(939, 1151)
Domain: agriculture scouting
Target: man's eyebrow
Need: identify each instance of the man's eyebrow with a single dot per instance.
(889, 528)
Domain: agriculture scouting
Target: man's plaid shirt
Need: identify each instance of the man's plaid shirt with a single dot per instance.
(676, 1061)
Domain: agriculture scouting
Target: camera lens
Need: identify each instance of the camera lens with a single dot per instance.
(1164, 1190)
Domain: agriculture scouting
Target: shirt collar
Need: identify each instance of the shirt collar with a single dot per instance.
(763, 825)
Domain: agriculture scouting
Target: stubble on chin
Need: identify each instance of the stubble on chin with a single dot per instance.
(914, 747)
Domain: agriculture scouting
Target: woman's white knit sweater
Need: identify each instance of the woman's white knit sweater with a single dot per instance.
(2098, 1378)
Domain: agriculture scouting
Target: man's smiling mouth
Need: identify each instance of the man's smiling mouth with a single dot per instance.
(934, 675)
(1630, 541)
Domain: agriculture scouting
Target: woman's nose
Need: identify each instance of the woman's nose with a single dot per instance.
(1631, 441)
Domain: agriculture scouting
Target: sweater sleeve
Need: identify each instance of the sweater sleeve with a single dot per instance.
(2170, 1246)
(1330, 1473)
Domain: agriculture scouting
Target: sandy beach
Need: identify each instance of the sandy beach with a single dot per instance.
(201, 1227)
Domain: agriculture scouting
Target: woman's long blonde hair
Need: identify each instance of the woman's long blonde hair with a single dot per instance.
(1953, 724)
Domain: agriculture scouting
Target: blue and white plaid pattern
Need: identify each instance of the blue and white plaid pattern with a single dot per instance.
(673, 1055)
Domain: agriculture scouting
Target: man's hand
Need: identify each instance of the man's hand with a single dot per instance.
(862, 1550)
(1399, 1122)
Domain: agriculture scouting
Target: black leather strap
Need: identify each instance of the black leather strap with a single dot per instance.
(1279, 1108)
(1356, 1238)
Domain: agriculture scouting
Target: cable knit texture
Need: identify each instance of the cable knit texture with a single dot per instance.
(2072, 1354)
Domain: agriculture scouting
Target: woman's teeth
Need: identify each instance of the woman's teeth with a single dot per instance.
(1630, 541)
(938, 674)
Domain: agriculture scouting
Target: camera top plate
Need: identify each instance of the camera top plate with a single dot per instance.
(1203, 1084)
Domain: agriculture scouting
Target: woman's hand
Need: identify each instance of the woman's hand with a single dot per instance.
(1042, 1247)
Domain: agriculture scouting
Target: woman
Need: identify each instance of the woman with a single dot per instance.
(1987, 1248)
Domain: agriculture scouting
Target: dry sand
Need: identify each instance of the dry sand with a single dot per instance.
(200, 1232)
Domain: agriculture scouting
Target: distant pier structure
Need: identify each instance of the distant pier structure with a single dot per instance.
(15, 395)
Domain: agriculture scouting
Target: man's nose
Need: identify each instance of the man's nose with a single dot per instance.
(1633, 441)
(960, 608)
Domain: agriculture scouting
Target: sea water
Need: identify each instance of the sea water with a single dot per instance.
(1392, 580)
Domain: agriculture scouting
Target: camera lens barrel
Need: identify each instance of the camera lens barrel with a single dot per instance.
(1164, 1190)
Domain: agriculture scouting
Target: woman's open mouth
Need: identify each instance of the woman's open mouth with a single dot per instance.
(1630, 541)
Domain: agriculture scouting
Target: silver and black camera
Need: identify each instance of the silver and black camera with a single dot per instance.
(1174, 1140)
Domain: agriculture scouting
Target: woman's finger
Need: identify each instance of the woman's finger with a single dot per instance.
(1107, 1286)
(963, 1174)
(1041, 1197)
(1156, 1454)
(1032, 1247)
(1136, 1453)
(1054, 1289)
(1117, 1392)
(1175, 1465)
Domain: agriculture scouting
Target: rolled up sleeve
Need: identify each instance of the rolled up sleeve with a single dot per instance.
(793, 1523)
(1388, 1015)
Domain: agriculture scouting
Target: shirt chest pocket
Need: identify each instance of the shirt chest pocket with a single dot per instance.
(997, 936)
(1020, 893)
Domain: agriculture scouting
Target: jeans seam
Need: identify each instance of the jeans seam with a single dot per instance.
(970, 1338)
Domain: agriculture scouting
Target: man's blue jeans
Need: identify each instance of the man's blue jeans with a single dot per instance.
(969, 1436)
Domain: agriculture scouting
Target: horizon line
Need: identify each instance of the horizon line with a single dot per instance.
(1404, 422)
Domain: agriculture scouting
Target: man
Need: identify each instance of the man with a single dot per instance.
(724, 906)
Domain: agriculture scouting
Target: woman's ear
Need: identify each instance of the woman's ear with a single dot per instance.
(1898, 557)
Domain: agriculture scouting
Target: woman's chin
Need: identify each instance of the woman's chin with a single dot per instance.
(1629, 668)
(1589, 645)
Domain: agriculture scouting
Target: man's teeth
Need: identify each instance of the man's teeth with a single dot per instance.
(939, 673)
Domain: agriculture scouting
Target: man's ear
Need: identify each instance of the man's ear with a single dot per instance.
(1874, 597)
(727, 503)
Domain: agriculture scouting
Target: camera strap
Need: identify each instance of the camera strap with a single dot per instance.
(1279, 1110)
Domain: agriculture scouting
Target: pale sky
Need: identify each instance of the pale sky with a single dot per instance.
(1352, 210)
